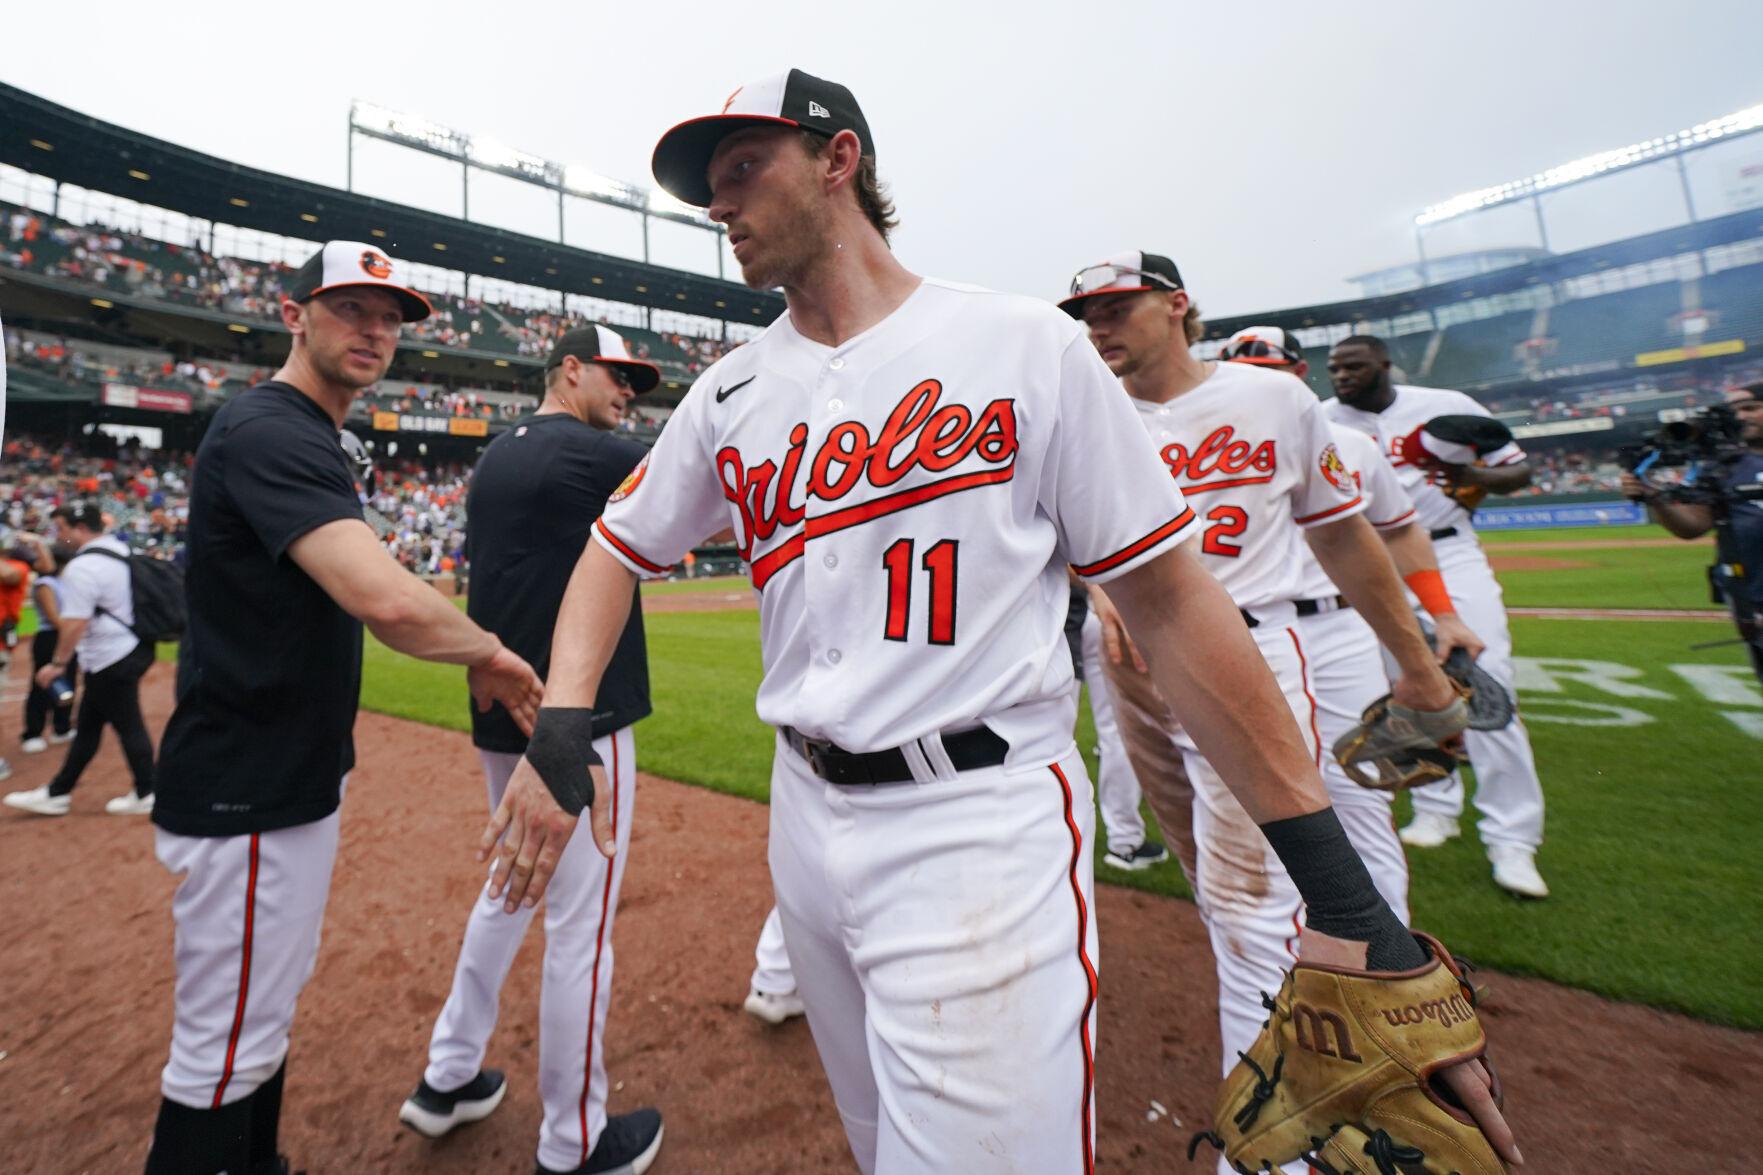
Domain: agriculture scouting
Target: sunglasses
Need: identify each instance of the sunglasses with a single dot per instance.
(1102, 277)
(1254, 348)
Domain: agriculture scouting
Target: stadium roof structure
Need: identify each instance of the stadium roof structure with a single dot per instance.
(40, 136)
(1555, 267)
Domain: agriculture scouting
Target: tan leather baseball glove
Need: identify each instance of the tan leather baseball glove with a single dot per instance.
(1394, 747)
(1342, 1075)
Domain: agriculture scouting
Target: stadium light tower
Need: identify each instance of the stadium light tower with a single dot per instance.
(1674, 147)
(487, 154)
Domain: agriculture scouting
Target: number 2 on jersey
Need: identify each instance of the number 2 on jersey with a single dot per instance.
(1227, 523)
(939, 566)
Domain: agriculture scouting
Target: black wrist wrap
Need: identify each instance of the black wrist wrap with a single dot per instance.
(1337, 890)
(561, 750)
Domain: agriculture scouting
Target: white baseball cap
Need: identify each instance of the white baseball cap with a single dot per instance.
(1265, 346)
(356, 263)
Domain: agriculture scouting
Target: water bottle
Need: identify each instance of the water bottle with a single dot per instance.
(61, 689)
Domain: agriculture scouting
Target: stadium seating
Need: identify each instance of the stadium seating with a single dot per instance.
(1480, 353)
(138, 265)
(1736, 297)
(1615, 327)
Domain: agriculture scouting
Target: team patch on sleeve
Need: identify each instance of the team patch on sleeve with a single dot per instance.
(1336, 471)
(631, 481)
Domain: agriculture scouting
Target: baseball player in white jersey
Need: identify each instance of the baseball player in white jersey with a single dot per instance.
(1347, 667)
(909, 467)
(1507, 791)
(1252, 452)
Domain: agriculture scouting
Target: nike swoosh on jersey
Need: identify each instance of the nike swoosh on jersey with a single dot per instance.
(724, 393)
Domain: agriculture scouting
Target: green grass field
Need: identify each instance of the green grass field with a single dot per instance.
(1653, 811)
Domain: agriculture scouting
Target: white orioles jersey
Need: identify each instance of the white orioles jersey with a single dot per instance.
(1413, 407)
(1252, 452)
(1387, 504)
(907, 503)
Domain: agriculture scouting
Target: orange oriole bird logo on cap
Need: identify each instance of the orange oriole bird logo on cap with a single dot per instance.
(376, 265)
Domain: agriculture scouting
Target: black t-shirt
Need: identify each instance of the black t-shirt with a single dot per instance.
(269, 670)
(1747, 524)
(534, 497)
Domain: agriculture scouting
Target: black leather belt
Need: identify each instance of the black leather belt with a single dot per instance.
(967, 750)
(1444, 532)
(1312, 607)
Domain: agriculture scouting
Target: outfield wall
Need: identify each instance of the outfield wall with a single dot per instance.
(1606, 513)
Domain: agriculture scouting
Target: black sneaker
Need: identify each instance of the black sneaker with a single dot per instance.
(429, 1111)
(1139, 857)
(627, 1146)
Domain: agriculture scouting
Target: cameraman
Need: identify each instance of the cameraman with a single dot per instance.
(1690, 520)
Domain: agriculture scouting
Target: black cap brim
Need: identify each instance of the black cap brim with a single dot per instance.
(1074, 304)
(682, 157)
(644, 377)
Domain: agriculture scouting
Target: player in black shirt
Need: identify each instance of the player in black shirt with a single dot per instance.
(283, 572)
(534, 496)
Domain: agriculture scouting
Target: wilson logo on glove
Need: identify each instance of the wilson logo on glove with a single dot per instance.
(1308, 1026)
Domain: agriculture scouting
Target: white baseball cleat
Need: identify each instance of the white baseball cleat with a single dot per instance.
(1515, 871)
(39, 800)
(1427, 831)
(63, 738)
(771, 1008)
(130, 804)
(34, 746)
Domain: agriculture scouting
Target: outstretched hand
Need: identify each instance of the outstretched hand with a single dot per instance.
(529, 832)
(508, 679)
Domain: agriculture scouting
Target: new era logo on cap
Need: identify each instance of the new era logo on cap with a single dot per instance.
(1131, 272)
(793, 99)
(356, 263)
(601, 344)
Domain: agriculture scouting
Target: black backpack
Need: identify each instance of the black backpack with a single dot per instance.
(156, 588)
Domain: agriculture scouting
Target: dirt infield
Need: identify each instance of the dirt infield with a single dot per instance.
(85, 988)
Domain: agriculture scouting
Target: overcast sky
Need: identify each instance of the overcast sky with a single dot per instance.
(1272, 150)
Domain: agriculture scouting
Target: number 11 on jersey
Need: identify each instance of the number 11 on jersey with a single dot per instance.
(939, 567)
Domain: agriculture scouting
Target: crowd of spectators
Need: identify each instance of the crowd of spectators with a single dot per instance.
(142, 266)
(144, 492)
(422, 515)
(1567, 472)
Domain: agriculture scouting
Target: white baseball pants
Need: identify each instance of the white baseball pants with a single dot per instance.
(1508, 793)
(248, 913)
(772, 973)
(1346, 669)
(580, 906)
(1116, 785)
(944, 943)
